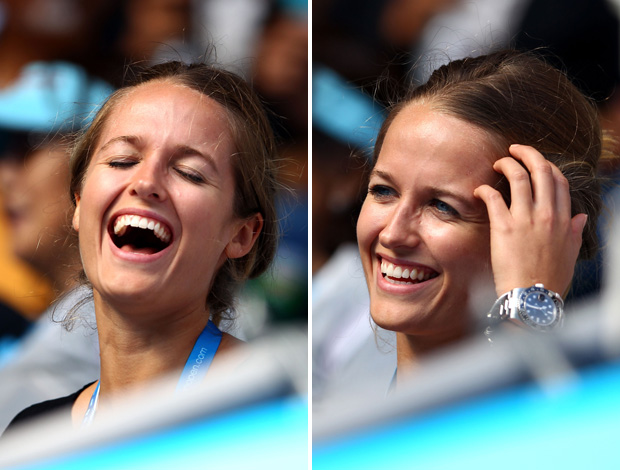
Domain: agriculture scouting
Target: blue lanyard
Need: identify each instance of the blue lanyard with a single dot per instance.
(195, 369)
(200, 358)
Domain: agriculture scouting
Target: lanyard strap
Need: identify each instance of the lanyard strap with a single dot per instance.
(200, 359)
(92, 407)
(195, 369)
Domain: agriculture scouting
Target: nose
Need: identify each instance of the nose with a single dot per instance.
(148, 181)
(402, 229)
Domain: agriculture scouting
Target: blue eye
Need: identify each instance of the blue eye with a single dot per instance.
(443, 207)
(380, 191)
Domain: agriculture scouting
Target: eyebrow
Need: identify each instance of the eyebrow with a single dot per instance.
(179, 150)
(187, 150)
(129, 139)
(381, 174)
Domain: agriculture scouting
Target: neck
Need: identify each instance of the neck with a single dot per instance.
(410, 350)
(137, 351)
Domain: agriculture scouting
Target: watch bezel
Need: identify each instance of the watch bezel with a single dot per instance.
(526, 319)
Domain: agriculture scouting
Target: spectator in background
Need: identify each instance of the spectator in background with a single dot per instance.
(38, 113)
(79, 32)
(48, 31)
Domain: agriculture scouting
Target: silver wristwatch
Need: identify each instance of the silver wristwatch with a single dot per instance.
(533, 307)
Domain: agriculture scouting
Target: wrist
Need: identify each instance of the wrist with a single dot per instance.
(536, 308)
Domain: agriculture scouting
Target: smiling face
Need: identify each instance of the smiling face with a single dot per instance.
(423, 236)
(155, 211)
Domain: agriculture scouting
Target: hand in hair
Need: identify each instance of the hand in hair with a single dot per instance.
(535, 239)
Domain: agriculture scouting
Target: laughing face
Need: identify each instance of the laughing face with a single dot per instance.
(423, 236)
(155, 211)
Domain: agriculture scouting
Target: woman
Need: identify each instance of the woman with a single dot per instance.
(484, 176)
(173, 187)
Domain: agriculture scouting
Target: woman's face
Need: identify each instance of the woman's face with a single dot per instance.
(423, 236)
(162, 163)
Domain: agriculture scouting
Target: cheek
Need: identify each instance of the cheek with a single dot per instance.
(464, 250)
(368, 225)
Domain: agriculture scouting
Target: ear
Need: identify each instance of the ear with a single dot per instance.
(245, 236)
(76, 214)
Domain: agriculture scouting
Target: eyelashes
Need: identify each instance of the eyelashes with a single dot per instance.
(187, 173)
(379, 191)
(444, 207)
(383, 193)
(191, 175)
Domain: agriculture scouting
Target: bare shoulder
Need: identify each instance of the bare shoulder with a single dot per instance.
(230, 343)
(232, 351)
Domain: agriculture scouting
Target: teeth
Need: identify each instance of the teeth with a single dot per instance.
(398, 272)
(124, 221)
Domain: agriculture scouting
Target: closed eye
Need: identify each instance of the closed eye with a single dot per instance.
(121, 163)
(190, 175)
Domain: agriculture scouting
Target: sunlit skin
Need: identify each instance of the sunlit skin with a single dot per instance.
(420, 212)
(430, 196)
(164, 153)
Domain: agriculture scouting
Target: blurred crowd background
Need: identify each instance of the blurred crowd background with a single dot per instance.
(58, 60)
(366, 54)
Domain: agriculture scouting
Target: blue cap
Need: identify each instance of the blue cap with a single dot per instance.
(344, 112)
(51, 97)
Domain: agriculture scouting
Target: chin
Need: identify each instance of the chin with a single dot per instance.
(129, 290)
(413, 320)
(398, 318)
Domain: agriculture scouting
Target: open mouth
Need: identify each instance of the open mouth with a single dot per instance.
(136, 234)
(396, 274)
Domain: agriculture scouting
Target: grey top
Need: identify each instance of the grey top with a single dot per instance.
(51, 362)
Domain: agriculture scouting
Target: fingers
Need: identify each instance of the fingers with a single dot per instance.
(578, 223)
(549, 186)
(536, 185)
(496, 206)
(537, 225)
(521, 193)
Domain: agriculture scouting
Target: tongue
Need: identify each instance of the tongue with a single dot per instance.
(145, 250)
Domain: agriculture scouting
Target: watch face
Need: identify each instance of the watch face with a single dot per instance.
(537, 309)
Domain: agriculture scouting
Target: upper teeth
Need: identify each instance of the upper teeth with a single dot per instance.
(399, 272)
(124, 221)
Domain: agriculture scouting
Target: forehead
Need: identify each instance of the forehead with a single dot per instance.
(171, 109)
(425, 140)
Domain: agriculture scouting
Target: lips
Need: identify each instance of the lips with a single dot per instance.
(136, 233)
